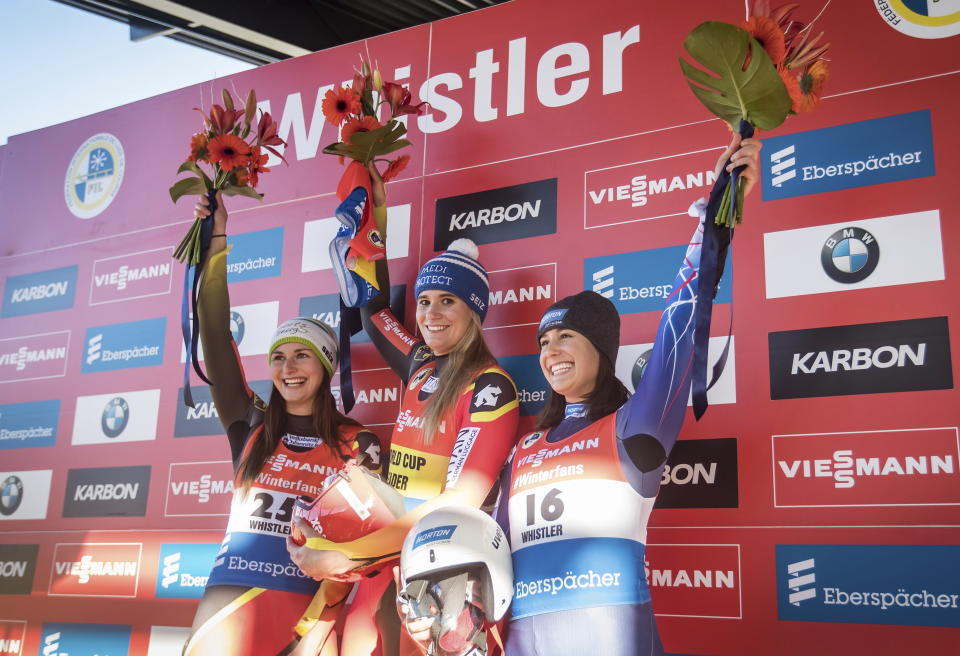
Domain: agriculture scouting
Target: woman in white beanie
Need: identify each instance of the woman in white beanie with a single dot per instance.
(280, 449)
(456, 426)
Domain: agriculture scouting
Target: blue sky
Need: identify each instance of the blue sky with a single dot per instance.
(62, 63)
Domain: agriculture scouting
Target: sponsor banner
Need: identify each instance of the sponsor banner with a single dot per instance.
(13, 635)
(107, 492)
(94, 176)
(95, 569)
(868, 358)
(34, 357)
(252, 326)
(124, 345)
(134, 275)
(650, 189)
(890, 250)
(318, 234)
(921, 19)
(116, 417)
(202, 419)
(24, 494)
(520, 296)
(700, 474)
(167, 640)
(641, 281)
(694, 580)
(503, 214)
(326, 308)
(848, 156)
(532, 388)
(377, 392)
(184, 569)
(255, 255)
(905, 467)
(915, 585)
(30, 424)
(43, 291)
(199, 489)
(18, 562)
(632, 362)
(69, 639)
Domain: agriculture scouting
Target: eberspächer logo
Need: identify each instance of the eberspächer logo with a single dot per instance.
(917, 585)
(847, 156)
(94, 176)
(124, 345)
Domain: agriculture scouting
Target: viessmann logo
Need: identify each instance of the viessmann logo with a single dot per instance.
(521, 295)
(124, 345)
(107, 491)
(43, 291)
(915, 585)
(134, 275)
(95, 569)
(34, 357)
(199, 489)
(694, 580)
(904, 467)
(647, 190)
(893, 356)
(642, 281)
(847, 156)
(12, 637)
(504, 214)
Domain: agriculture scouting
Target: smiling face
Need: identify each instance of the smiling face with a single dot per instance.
(443, 320)
(569, 362)
(297, 374)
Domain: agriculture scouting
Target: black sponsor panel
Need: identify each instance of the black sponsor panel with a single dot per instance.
(17, 565)
(700, 474)
(869, 358)
(202, 418)
(107, 492)
(524, 210)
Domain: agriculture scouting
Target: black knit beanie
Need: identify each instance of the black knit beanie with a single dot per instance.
(589, 314)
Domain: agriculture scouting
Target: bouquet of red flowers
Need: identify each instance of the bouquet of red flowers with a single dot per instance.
(234, 148)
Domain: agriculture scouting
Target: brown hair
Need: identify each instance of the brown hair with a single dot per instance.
(467, 357)
(607, 396)
(326, 420)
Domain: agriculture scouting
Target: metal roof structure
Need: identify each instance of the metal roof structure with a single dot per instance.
(266, 31)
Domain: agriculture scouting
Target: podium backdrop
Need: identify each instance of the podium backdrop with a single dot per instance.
(813, 510)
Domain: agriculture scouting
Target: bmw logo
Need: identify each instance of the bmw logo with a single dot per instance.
(236, 326)
(531, 439)
(11, 494)
(850, 255)
(639, 367)
(115, 417)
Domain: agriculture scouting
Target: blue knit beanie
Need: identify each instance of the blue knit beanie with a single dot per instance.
(458, 272)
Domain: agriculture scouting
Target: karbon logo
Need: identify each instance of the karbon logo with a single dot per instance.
(17, 565)
(107, 491)
(43, 291)
(94, 176)
(504, 214)
(893, 356)
(700, 474)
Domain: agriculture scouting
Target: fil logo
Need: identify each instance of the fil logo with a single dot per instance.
(782, 163)
(797, 581)
(603, 282)
(171, 569)
(51, 645)
(93, 348)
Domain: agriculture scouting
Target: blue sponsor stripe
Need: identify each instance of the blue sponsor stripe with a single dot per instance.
(532, 390)
(434, 535)
(42, 291)
(30, 424)
(578, 573)
(78, 639)
(255, 255)
(916, 585)
(124, 345)
(260, 561)
(183, 569)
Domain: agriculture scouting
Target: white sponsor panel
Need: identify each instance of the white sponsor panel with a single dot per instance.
(24, 494)
(259, 321)
(116, 417)
(910, 251)
(318, 234)
(725, 390)
(167, 640)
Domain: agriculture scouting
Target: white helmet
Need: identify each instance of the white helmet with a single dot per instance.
(449, 556)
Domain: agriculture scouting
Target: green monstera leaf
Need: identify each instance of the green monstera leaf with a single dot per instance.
(755, 94)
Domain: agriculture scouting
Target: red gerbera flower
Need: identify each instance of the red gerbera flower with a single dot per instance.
(354, 125)
(770, 37)
(229, 151)
(395, 167)
(793, 89)
(338, 105)
(198, 147)
(811, 83)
